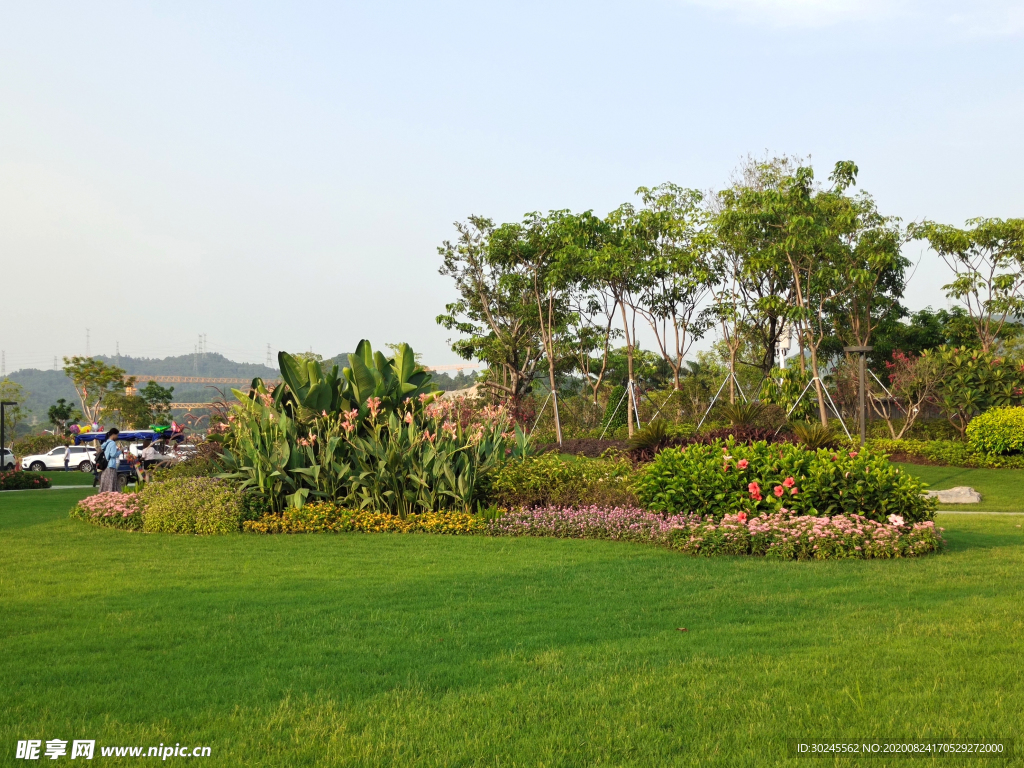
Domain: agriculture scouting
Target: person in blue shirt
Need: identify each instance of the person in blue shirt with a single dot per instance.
(112, 453)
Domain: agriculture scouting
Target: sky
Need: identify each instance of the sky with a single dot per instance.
(282, 173)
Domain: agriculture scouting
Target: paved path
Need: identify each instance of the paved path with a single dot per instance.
(973, 512)
(57, 488)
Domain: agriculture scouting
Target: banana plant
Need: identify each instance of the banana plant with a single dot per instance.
(391, 380)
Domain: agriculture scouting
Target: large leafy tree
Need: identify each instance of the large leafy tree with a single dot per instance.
(614, 265)
(159, 401)
(60, 413)
(808, 229)
(679, 274)
(869, 251)
(496, 313)
(547, 250)
(94, 380)
(758, 288)
(987, 260)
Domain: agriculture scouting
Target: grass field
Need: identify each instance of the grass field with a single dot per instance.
(395, 650)
(1002, 490)
(68, 478)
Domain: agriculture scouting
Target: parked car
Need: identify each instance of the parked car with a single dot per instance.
(6, 459)
(81, 459)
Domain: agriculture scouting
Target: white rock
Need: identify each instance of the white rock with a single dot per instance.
(962, 494)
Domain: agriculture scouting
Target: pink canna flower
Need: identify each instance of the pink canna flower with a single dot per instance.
(408, 418)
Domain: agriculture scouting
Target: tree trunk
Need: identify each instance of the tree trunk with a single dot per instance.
(629, 366)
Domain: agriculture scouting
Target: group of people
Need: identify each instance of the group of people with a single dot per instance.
(109, 457)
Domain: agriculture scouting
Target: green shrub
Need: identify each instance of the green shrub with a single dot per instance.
(998, 430)
(947, 453)
(199, 505)
(31, 445)
(551, 480)
(720, 479)
(195, 467)
(19, 480)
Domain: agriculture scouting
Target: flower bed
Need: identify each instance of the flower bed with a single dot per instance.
(781, 535)
(113, 510)
(19, 480)
(326, 517)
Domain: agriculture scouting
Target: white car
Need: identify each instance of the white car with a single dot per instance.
(81, 459)
(6, 459)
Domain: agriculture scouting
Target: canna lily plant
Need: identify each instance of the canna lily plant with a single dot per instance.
(372, 437)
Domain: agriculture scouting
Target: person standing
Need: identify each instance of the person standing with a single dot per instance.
(67, 456)
(112, 454)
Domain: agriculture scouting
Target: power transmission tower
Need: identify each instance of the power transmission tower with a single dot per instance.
(204, 346)
(268, 355)
(117, 352)
(55, 362)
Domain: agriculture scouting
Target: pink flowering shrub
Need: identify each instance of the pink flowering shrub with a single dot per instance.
(780, 535)
(114, 510)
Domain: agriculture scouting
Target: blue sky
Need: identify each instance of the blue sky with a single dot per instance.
(286, 171)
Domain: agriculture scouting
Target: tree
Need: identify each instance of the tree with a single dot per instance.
(679, 274)
(590, 334)
(126, 411)
(159, 401)
(809, 229)
(546, 248)
(495, 312)
(926, 329)
(60, 413)
(94, 380)
(762, 288)
(987, 260)
(913, 382)
(614, 265)
(869, 249)
(12, 392)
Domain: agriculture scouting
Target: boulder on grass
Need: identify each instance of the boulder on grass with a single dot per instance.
(962, 494)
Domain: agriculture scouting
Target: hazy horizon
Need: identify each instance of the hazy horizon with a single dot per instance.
(283, 175)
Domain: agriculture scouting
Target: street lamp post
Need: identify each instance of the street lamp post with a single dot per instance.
(3, 424)
(862, 374)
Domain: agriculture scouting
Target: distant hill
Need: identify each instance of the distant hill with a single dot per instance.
(211, 364)
(44, 388)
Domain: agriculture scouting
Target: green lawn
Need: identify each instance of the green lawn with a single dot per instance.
(69, 478)
(393, 650)
(1002, 490)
